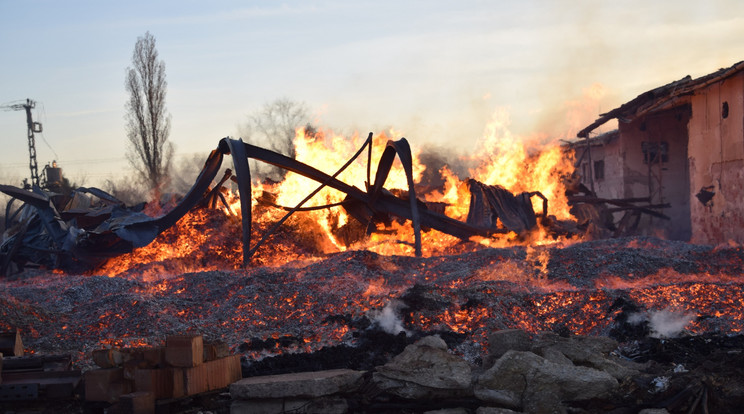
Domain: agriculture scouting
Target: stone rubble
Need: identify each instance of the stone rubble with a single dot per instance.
(531, 376)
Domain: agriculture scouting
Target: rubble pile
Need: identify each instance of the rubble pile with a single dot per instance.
(643, 292)
(543, 373)
(587, 288)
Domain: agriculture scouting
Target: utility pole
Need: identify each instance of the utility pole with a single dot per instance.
(33, 127)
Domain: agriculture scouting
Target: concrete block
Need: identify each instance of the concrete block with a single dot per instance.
(297, 385)
(325, 405)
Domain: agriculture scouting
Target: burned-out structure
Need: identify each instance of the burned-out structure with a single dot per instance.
(679, 148)
(76, 232)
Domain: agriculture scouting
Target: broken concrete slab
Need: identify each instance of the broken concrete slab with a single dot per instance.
(448, 411)
(508, 339)
(425, 370)
(324, 405)
(653, 411)
(494, 410)
(518, 380)
(582, 351)
(297, 385)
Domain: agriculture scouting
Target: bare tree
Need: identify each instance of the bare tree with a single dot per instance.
(148, 123)
(276, 123)
(274, 127)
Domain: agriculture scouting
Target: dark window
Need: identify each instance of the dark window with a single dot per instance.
(599, 170)
(655, 152)
(724, 110)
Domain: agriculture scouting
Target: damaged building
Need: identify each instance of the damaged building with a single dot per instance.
(680, 149)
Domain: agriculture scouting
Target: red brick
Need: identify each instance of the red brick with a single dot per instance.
(212, 375)
(184, 350)
(163, 383)
(195, 380)
(11, 344)
(215, 350)
(153, 356)
(107, 358)
(134, 403)
(106, 384)
(225, 371)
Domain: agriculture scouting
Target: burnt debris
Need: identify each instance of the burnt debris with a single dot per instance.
(73, 233)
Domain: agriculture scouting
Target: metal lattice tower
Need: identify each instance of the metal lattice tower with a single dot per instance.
(33, 127)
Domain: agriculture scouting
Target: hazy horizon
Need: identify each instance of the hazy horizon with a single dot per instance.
(435, 71)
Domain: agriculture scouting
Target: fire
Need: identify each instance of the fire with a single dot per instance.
(505, 159)
(271, 310)
(207, 240)
(201, 240)
(329, 151)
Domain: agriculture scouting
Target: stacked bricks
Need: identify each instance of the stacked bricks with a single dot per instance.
(133, 379)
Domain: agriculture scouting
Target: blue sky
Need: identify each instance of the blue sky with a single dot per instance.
(433, 70)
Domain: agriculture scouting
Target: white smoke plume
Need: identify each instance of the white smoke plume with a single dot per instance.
(388, 320)
(668, 324)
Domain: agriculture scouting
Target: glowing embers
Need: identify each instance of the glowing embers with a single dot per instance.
(202, 240)
(580, 289)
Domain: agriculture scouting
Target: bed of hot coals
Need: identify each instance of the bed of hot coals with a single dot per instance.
(674, 307)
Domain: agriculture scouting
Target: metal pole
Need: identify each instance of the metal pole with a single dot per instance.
(31, 143)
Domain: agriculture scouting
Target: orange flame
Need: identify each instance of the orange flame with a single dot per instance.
(502, 159)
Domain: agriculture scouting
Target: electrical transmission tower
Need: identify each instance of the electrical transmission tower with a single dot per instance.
(33, 127)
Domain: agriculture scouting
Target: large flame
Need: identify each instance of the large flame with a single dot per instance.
(501, 158)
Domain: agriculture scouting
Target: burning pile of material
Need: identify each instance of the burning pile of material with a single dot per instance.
(89, 227)
(588, 288)
(463, 260)
(628, 289)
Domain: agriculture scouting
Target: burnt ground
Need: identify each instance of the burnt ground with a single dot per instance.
(330, 313)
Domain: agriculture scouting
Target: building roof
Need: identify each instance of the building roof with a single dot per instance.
(661, 97)
(595, 141)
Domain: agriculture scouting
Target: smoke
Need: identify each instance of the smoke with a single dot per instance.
(388, 320)
(434, 158)
(664, 323)
(668, 324)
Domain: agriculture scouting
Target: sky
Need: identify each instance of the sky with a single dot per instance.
(435, 71)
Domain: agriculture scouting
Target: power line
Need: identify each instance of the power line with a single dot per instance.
(91, 161)
(43, 138)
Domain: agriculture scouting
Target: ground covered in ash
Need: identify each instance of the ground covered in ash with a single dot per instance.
(626, 288)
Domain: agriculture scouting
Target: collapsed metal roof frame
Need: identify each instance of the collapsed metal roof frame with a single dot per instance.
(124, 230)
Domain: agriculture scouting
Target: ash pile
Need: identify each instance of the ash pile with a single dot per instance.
(672, 307)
